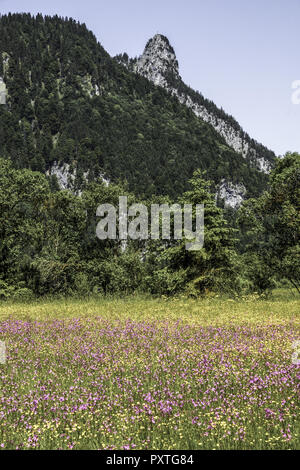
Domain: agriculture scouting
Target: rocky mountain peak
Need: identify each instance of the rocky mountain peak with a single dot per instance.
(158, 64)
(157, 60)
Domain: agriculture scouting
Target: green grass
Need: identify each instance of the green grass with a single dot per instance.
(281, 307)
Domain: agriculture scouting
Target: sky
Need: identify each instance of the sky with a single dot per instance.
(243, 55)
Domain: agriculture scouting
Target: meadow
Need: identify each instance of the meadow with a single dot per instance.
(144, 373)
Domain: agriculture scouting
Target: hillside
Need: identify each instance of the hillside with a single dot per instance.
(70, 110)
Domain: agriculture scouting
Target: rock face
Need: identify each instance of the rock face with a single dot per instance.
(66, 176)
(232, 194)
(3, 92)
(158, 63)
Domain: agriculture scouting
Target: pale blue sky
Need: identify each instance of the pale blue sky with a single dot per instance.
(243, 55)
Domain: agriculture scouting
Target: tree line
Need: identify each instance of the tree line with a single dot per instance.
(49, 244)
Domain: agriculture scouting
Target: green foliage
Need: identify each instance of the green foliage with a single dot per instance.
(175, 268)
(15, 292)
(49, 244)
(270, 227)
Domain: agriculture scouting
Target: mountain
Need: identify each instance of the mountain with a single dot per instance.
(158, 63)
(71, 111)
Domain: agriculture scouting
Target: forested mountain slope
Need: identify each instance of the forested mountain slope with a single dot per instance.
(69, 109)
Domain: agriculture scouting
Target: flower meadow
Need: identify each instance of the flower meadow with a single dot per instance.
(94, 382)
